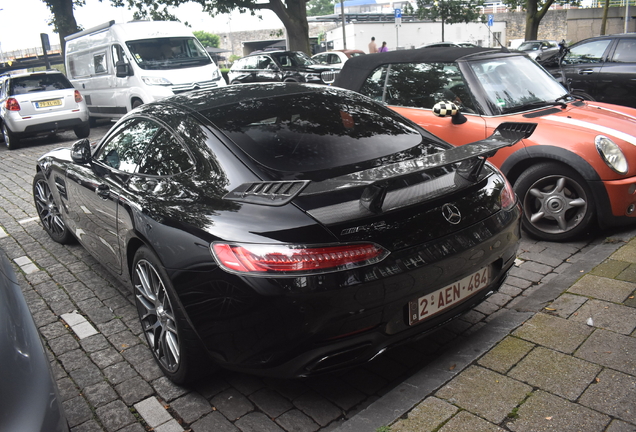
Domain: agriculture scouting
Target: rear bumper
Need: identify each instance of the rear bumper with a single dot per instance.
(290, 327)
(46, 123)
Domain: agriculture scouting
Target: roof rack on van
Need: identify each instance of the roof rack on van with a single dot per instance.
(90, 30)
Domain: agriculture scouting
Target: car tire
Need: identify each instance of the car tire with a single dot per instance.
(48, 211)
(557, 202)
(170, 338)
(583, 96)
(82, 130)
(136, 103)
(10, 139)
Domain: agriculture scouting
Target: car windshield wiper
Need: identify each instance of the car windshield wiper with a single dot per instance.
(537, 104)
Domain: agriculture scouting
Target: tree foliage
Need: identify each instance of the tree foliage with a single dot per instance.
(208, 40)
(292, 13)
(450, 11)
(535, 11)
(320, 7)
(63, 18)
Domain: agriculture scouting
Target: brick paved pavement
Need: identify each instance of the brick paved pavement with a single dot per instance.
(108, 378)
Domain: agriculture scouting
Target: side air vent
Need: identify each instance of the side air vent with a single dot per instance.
(274, 193)
(512, 130)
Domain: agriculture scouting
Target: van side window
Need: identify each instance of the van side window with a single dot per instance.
(99, 63)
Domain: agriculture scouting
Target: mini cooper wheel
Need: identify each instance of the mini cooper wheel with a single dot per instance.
(168, 334)
(557, 202)
(10, 139)
(49, 212)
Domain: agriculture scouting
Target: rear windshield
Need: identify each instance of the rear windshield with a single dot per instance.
(37, 83)
(316, 131)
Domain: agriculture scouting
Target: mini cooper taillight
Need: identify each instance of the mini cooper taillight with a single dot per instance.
(12, 104)
(294, 260)
(78, 96)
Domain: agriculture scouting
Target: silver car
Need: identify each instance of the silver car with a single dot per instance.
(40, 103)
(539, 49)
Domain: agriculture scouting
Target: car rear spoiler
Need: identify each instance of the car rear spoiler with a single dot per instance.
(471, 158)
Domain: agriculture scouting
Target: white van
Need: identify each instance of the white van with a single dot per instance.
(118, 67)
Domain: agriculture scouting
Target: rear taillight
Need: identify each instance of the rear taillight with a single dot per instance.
(507, 198)
(78, 96)
(294, 260)
(12, 104)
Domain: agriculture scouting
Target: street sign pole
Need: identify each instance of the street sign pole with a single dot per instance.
(398, 23)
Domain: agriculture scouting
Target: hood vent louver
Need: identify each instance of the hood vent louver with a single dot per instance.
(270, 193)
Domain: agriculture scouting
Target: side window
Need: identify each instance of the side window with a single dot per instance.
(99, 63)
(421, 85)
(164, 157)
(123, 151)
(264, 62)
(321, 59)
(625, 51)
(239, 64)
(250, 63)
(591, 52)
(334, 59)
(373, 87)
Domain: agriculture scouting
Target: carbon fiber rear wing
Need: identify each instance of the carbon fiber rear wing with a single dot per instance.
(471, 158)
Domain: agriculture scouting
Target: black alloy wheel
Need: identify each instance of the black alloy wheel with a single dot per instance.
(49, 212)
(557, 202)
(163, 322)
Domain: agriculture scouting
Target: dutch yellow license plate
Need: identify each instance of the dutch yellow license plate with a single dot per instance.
(49, 103)
(445, 298)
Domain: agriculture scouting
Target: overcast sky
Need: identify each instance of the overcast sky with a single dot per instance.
(22, 21)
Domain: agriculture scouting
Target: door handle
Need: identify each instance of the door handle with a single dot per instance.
(586, 72)
(103, 191)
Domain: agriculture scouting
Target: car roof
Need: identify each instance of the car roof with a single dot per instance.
(201, 100)
(355, 70)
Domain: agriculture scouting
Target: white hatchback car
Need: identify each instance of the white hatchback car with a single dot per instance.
(40, 103)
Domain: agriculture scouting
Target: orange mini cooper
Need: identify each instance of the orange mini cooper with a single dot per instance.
(577, 169)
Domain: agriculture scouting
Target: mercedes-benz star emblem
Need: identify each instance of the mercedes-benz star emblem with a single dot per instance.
(451, 214)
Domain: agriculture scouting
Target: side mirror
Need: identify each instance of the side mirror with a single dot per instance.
(446, 109)
(122, 69)
(81, 151)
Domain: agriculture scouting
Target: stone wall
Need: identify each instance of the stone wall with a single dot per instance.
(234, 41)
(572, 25)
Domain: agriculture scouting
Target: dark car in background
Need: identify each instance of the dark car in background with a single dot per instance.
(280, 66)
(600, 69)
(576, 170)
(284, 229)
(29, 399)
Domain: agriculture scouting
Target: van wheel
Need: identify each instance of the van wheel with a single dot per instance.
(83, 130)
(136, 103)
(10, 139)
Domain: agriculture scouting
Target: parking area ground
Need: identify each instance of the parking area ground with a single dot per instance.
(109, 381)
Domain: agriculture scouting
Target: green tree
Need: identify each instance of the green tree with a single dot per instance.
(319, 7)
(293, 13)
(535, 11)
(63, 19)
(208, 40)
(450, 11)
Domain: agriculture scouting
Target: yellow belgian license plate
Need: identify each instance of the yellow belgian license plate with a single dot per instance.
(445, 298)
(49, 103)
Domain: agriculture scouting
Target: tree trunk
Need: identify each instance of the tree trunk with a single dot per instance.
(293, 14)
(534, 15)
(63, 19)
(604, 20)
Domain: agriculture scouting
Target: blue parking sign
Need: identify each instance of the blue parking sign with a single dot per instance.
(398, 13)
(491, 20)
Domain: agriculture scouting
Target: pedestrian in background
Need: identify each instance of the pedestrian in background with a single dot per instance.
(383, 48)
(373, 48)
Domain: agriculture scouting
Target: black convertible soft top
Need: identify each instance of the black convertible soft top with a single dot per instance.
(356, 69)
